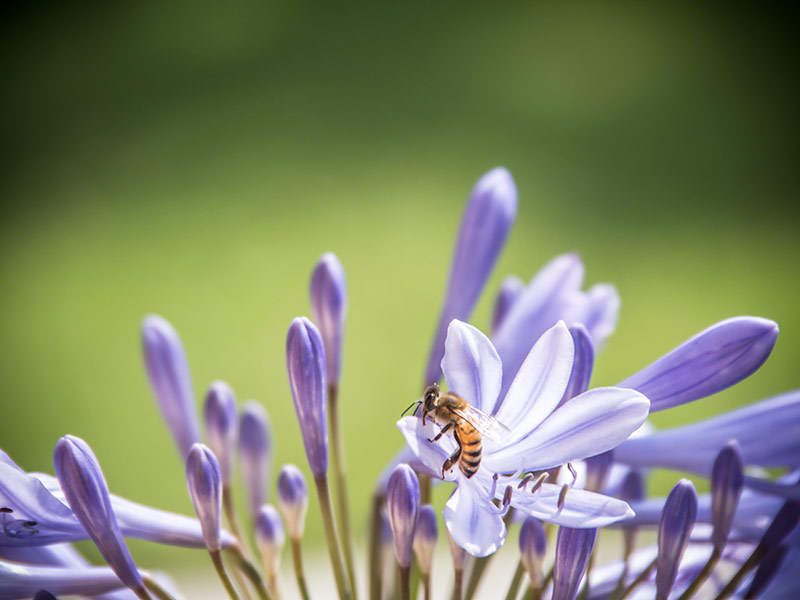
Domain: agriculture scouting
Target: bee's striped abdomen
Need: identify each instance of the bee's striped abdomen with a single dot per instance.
(471, 448)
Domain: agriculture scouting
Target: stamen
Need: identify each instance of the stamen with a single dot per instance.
(562, 497)
(525, 481)
(506, 499)
(574, 473)
(494, 485)
(17, 527)
(539, 481)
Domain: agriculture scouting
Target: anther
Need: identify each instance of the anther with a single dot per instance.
(525, 481)
(562, 497)
(5, 509)
(539, 481)
(494, 485)
(506, 499)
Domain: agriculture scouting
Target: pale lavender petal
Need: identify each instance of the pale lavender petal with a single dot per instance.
(431, 455)
(600, 312)
(539, 384)
(473, 522)
(329, 306)
(582, 365)
(471, 366)
(573, 549)
(585, 426)
(168, 371)
(580, 509)
(789, 491)
(483, 232)
(510, 290)
(540, 306)
(23, 581)
(714, 359)
(766, 433)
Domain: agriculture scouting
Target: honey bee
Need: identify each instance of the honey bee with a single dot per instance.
(468, 425)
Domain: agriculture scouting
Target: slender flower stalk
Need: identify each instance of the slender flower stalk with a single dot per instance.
(306, 368)
(255, 454)
(425, 537)
(168, 371)
(402, 504)
(86, 491)
(459, 557)
(677, 520)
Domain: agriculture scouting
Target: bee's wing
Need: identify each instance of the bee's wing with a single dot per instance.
(487, 425)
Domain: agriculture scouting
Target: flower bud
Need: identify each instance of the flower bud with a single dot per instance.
(533, 549)
(255, 453)
(727, 479)
(86, 491)
(510, 290)
(270, 537)
(484, 230)
(329, 307)
(573, 549)
(168, 371)
(677, 520)
(222, 426)
(293, 500)
(425, 537)
(402, 504)
(205, 488)
(305, 365)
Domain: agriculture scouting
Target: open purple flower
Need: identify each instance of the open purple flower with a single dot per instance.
(540, 437)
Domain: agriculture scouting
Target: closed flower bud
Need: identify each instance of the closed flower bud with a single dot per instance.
(573, 549)
(402, 505)
(510, 290)
(597, 469)
(532, 549)
(86, 491)
(677, 520)
(168, 371)
(425, 537)
(293, 500)
(270, 537)
(727, 479)
(329, 307)
(305, 365)
(222, 426)
(205, 488)
(255, 453)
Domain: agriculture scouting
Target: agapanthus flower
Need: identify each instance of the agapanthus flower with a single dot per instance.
(539, 437)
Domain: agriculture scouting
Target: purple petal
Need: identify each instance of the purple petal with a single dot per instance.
(473, 522)
(255, 453)
(471, 366)
(205, 488)
(168, 371)
(222, 426)
(510, 290)
(694, 447)
(23, 581)
(431, 455)
(539, 384)
(580, 509)
(727, 480)
(329, 307)
(585, 426)
(573, 549)
(677, 520)
(293, 499)
(402, 506)
(714, 359)
(484, 229)
(600, 312)
(582, 365)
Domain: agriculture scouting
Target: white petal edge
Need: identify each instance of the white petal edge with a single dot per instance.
(431, 454)
(473, 521)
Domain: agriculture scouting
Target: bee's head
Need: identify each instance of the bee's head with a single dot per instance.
(430, 399)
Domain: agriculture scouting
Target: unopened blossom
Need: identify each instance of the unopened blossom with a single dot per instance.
(168, 372)
(402, 506)
(425, 536)
(533, 549)
(293, 499)
(727, 480)
(222, 426)
(270, 538)
(329, 308)
(539, 437)
(573, 549)
(677, 521)
(255, 453)
(204, 479)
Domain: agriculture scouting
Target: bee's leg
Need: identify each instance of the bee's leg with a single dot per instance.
(441, 433)
(448, 464)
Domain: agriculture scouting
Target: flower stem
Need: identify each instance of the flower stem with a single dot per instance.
(216, 558)
(516, 580)
(375, 547)
(340, 469)
(405, 583)
(250, 571)
(702, 575)
(639, 579)
(332, 537)
(158, 591)
(458, 582)
(297, 559)
(426, 586)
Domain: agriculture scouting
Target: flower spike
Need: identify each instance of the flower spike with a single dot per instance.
(204, 479)
(222, 426)
(329, 307)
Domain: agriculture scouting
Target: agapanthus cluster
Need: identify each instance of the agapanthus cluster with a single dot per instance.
(508, 421)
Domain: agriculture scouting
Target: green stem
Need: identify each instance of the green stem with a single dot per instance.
(159, 592)
(332, 537)
(458, 583)
(426, 586)
(374, 556)
(250, 571)
(216, 558)
(405, 583)
(702, 575)
(748, 565)
(516, 580)
(340, 469)
(639, 579)
(297, 559)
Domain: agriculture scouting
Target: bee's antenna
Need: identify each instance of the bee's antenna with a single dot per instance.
(415, 403)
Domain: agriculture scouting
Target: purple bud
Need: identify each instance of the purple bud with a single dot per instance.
(597, 469)
(205, 488)
(533, 549)
(305, 365)
(222, 426)
(270, 537)
(767, 567)
(711, 361)
(293, 499)
(573, 549)
(677, 520)
(44, 595)
(255, 453)
(170, 380)
(329, 307)
(484, 229)
(583, 364)
(632, 488)
(425, 537)
(727, 479)
(86, 491)
(402, 505)
(509, 291)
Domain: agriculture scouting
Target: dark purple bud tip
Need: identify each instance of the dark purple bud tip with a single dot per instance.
(402, 504)
(270, 537)
(329, 308)
(168, 371)
(255, 453)
(533, 549)
(727, 479)
(425, 537)
(222, 426)
(305, 365)
(204, 479)
(86, 491)
(293, 499)
(677, 520)
(573, 549)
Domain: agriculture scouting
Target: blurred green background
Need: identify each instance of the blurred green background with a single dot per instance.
(194, 161)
